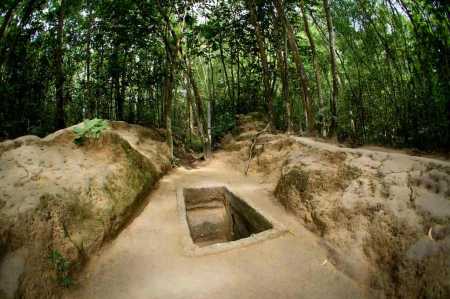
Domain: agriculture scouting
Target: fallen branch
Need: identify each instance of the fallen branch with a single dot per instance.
(430, 234)
(252, 146)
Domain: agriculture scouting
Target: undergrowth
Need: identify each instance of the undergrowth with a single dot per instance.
(61, 267)
(91, 128)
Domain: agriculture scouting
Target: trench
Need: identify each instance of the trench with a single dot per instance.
(215, 215)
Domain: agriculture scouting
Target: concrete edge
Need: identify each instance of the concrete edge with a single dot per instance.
(192, 250)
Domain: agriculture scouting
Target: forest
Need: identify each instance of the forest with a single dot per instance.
(225, 149)
(366, 72)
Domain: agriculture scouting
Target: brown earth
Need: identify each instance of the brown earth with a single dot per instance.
(361, 224)
(150, 259)
(60, 202)
(384, 216)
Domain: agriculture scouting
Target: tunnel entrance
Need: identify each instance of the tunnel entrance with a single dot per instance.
(215, 215)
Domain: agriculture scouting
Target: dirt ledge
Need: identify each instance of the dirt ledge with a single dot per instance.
(384, 217)
(59, 202)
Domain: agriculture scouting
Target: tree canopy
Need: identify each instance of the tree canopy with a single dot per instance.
(367, 71)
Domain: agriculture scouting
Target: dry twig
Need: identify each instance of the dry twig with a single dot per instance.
(252, 146)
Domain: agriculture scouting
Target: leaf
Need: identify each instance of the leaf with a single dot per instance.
(91, 128)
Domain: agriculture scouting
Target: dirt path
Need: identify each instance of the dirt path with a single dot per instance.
(148, 260)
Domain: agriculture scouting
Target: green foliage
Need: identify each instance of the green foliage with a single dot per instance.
(223, 123)
(61, 267)
(91, 128)
(393, 64)
(196, 143)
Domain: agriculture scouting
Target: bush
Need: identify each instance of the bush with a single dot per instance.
(61, 267)
(224, 122)
(196, 143)
(91, 128)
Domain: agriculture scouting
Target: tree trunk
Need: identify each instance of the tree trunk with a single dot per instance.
(332, 38)
(115, 73)
(282, 68)
(263, 57)
(313, 51)
(168, 94)
(172, 46)
(196, 118)
(202, 121)
(212, 98)
(100, 90)
(59, 71)
(233, 102)
(123, 89)
(90, 99)
(213, 89)
(26, 13)
(222, 59)
(190, 110)
(116, 80)
(238, 60)
(281, 50)
(307, 105)
(238, 98)
(7, 18)
(118, 98)
(138, 105)
(208, 118)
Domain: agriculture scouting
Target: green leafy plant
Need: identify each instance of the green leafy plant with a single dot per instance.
(91, 128)
(61, 267)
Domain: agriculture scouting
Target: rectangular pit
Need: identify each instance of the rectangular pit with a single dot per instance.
(215, 215)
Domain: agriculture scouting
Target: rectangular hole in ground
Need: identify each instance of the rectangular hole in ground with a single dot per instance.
(215, 215)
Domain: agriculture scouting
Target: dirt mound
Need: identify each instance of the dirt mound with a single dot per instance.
(374, 213)
(246, 126)
(384, 217)
(59, 202)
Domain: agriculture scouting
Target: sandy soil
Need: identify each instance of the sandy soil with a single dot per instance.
(353, 223)
(59, 202)
(384, 215)
(148, 259)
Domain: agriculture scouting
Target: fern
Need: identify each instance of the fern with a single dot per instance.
(91, 128)
(61, 267)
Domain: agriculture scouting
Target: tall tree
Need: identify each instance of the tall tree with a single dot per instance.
(301, 73)
(172, 44)
(200, 111)
(8, 16)
(91, 105)
(313, 52)
(59, 68)
(283, 69)
(334, 73)
(383, 65)
(263, 57)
